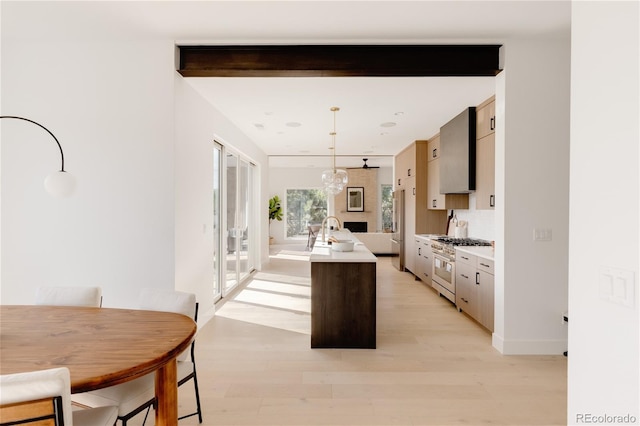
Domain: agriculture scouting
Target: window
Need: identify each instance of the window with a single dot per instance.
(386, 206)
(304, 207)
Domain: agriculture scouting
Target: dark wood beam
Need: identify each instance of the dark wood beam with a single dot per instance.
(339, 61)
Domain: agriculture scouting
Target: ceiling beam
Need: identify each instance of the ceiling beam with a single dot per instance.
(339, 61)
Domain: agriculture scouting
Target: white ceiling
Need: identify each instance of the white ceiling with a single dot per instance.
(418, 106)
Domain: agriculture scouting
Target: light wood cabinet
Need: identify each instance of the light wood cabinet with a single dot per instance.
(405, 166)
(419, 272)
(436, 200)
(466, 291)
(475, 287)
(434, 148)
(486, 291)
(485, 155)
(486, 118)
(427, 262)
(410, 224)
(486, 173)
(410, 175)
(424, 260)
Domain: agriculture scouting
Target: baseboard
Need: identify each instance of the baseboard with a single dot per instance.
(528, 347)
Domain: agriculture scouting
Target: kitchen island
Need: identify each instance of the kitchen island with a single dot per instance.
(343, 296)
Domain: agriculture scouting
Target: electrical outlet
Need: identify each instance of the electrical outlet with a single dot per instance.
(542, 234)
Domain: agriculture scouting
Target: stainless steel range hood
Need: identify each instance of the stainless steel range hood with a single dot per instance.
(458, 154)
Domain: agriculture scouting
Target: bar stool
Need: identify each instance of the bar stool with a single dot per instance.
(313, 234)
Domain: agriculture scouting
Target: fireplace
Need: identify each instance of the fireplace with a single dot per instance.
(356, 226)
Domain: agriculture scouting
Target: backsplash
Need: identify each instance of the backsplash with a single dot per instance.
(481, 223)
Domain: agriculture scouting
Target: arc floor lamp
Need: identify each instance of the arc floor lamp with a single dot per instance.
(60, 183)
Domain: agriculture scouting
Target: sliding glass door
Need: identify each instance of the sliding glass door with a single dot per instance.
(217, 221)
(239, 233)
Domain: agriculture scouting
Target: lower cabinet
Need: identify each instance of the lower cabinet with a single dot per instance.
(419, 265)
(486, 292)
(475, 287)
(466, 291)
(427, 262)
(424, 260)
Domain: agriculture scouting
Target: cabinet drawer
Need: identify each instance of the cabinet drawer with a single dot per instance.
(426, 249)
(485, 265)
(466, 258)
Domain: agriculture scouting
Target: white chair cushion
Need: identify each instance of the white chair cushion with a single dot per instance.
(101, 416)
(34, 385)
(178, 302)
(69, 296)
(127, 396)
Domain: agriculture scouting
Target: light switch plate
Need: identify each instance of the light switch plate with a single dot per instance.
(617, 286)
(542, 234)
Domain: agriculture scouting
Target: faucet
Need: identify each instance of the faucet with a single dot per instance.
(324, 221)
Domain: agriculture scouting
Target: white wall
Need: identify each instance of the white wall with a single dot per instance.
(605, 130)
(532, 190)
(142, 159)
(115, 124)
(198, 124)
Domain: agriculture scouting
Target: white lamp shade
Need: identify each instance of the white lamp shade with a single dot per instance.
(60, 184)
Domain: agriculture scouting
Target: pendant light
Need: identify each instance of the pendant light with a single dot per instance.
(334, 180)
(58, 184)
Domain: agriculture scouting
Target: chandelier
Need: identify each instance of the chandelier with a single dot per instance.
(334, 180)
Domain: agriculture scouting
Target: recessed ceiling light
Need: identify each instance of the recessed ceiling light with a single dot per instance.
(258, 126)
(399, 113)
(293, 124)
(388, 124)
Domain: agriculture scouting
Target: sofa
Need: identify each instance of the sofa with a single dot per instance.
(375, 242)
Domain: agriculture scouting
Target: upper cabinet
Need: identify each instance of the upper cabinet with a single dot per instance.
(485, 155)
(411, 168)
(436, 200)
(404, 166)
(486, 118)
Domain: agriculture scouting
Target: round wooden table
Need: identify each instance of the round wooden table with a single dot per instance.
(101, 347)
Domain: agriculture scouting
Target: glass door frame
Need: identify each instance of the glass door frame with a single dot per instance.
(251, 223)
(217, 195)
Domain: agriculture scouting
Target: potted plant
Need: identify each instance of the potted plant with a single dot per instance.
(275, 212)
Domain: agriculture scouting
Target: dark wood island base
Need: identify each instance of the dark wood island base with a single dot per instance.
(343, 305)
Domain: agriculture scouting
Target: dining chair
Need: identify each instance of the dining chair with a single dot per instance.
(135, 396)
(69, 296)
(44, 397)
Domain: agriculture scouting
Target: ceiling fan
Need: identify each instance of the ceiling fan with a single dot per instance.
(365, 165)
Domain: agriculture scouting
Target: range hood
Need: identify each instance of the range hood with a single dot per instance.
(458, 154)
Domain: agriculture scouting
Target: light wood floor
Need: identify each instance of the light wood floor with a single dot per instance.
(433, 365)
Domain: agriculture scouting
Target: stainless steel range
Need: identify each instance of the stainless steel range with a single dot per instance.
(444, 263)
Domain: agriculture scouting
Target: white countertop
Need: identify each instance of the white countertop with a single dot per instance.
(485, 252)
(428, 236)
(322, 252)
